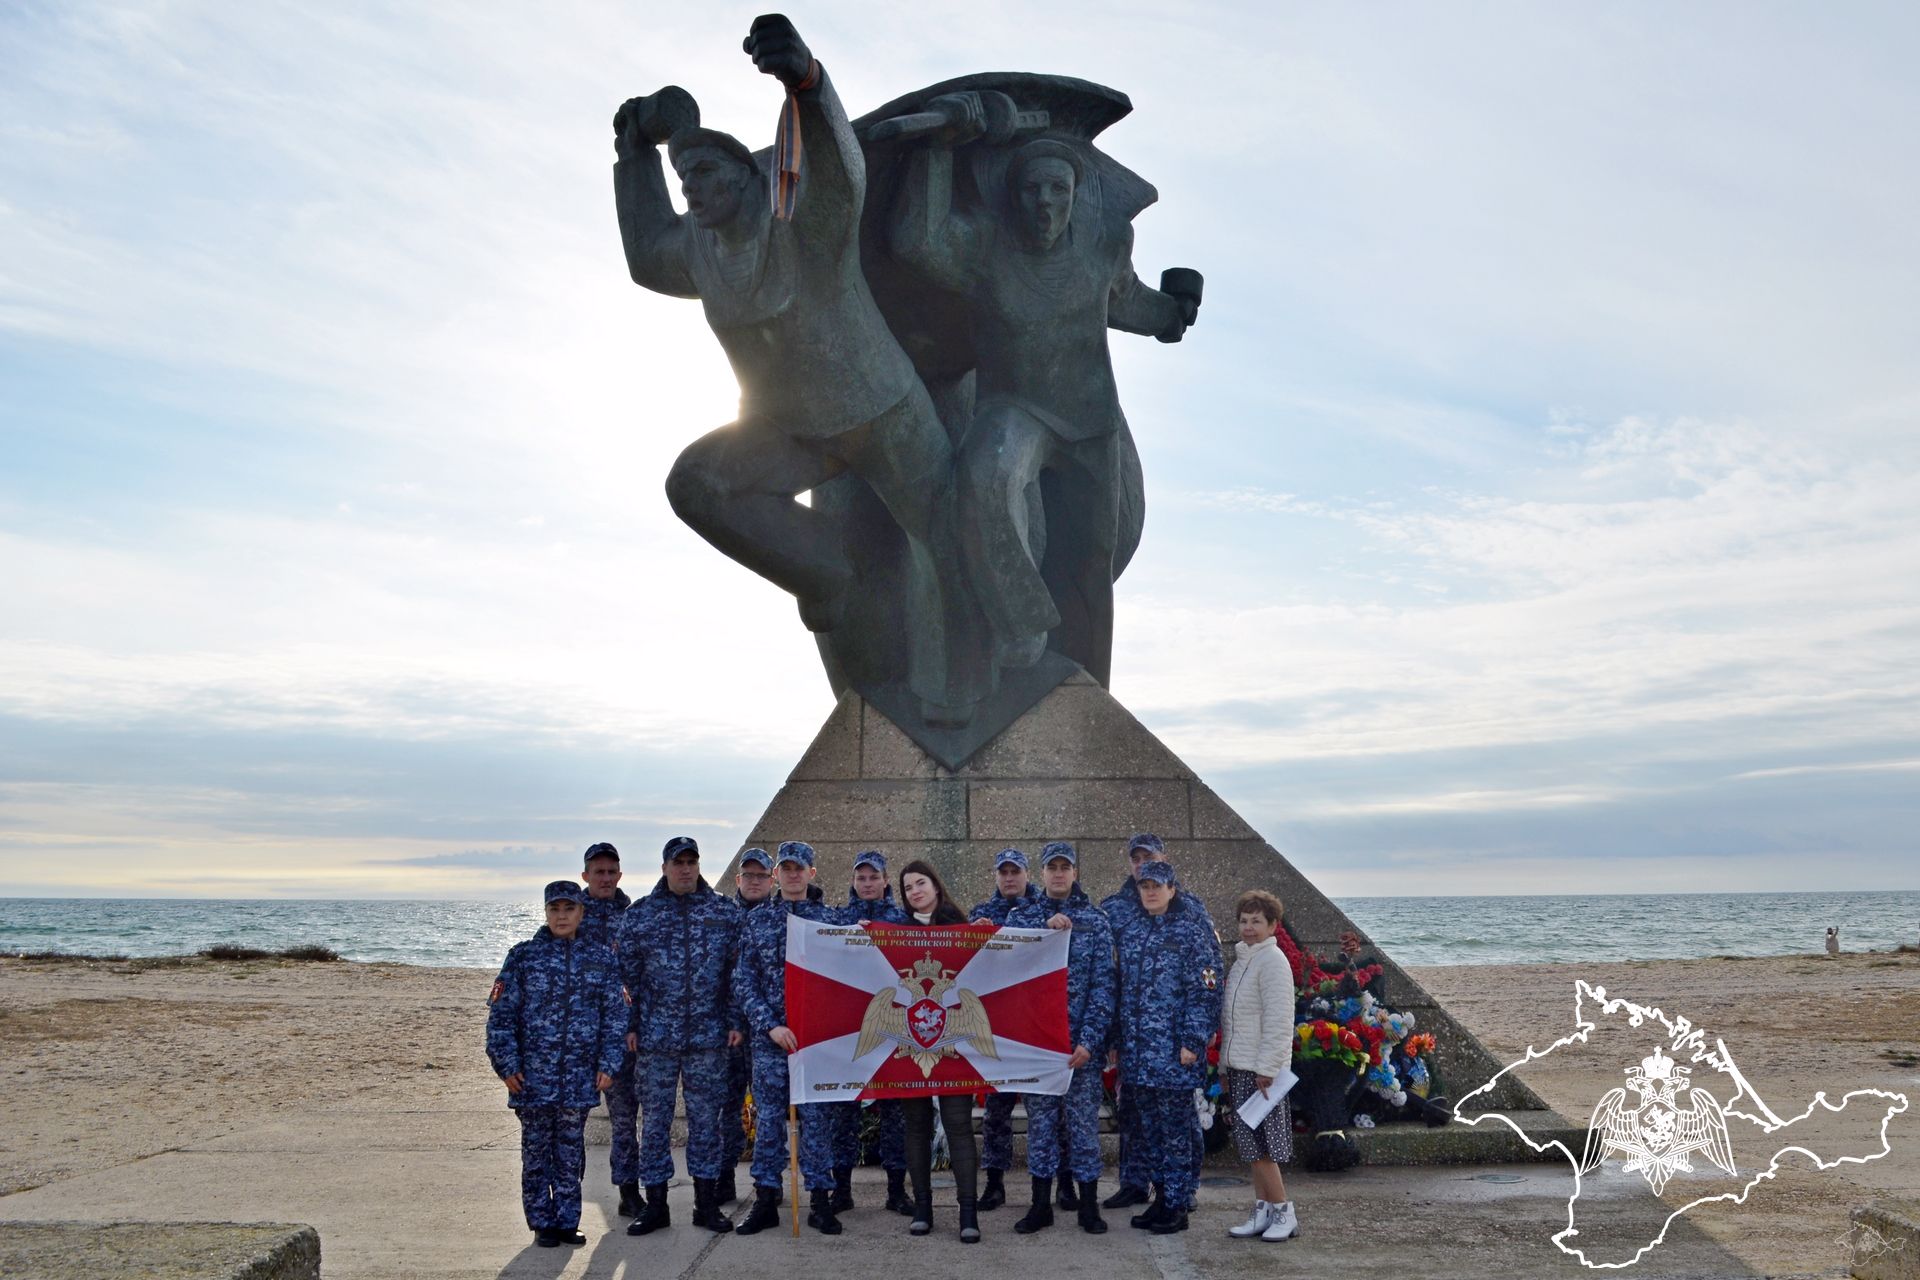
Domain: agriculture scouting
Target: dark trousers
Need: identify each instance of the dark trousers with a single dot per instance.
(956, 1117)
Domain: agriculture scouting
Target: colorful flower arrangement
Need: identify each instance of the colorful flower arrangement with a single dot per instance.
(1344, 1025)
(1322, 1039)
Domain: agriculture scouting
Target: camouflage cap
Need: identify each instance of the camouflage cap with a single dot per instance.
(1148, 841)
(679, 845)
(601, 850)
(1058, 849)
(566, 891)
(1161, 872)
(758, 856)
(795, 851)
(871, 858)
(1010, 858)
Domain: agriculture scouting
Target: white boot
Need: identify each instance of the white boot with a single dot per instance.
(1262, 1215)
(1281, 1224)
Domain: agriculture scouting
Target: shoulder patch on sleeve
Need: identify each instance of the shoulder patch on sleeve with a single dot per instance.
(1211, 977)
(498, 987)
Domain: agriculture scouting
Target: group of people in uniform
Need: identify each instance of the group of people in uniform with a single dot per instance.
(682, 992)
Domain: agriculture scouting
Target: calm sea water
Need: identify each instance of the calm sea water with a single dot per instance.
(1415, 931)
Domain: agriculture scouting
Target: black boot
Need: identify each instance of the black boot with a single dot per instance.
(654, 1215)
(820, 1216)
(1040, 1216)
(1125, 1197)
(1090, 1220)
(554, 1237)
(706, 1207)
(765, 1212)
(995, 1194)
(724, 1189)
(1154, 1213)
(1066, 1198)
(1171, 1221)
(969, 1220)
(630, 1202)
(922, 1211)
(843, 1188)
(897, 1198)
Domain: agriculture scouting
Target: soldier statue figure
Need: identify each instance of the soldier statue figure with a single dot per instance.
(915, 305)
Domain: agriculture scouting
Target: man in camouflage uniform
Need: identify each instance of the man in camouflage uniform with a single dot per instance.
(1011, 879)
(752, 885)
(870, 897)
(677, 947)
(1169, 982)
(1120, 907)
(759, 987)
(1063, 1131)
(605, 901)
(555, 1020)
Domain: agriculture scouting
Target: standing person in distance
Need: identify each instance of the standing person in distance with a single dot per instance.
(752, 885)
(1256, 1046)
(1063, 1131)
(870, 897)
(928, 903)
(555, 1022)
(1012, 888)
(605, 901)
(760, 990)
(677, 949)
(1169, 975)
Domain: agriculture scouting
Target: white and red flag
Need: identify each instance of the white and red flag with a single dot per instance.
(909, 1011)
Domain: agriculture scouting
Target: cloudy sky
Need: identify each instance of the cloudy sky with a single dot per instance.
(1533, 509)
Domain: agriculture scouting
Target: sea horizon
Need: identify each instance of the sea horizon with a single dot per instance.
(1415, 931)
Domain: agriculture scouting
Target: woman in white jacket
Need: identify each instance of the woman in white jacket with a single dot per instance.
(1256, 1046)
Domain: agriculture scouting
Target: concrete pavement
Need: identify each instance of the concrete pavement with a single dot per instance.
(422, 1194)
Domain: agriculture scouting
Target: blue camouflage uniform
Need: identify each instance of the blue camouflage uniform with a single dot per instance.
(676, 951)
(893, 1125)
(601, 924)
(558, 1017)
(1069, 1125)
(760, 991)
(733, 1129)
(1119, 907)
(996, 1127)
(1169, 980)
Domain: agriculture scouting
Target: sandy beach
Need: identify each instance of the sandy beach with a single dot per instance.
(111, 1062)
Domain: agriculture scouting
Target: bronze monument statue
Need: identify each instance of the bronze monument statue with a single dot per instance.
(915, 305)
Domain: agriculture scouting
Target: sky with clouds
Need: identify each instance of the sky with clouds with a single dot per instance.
(1532, 510)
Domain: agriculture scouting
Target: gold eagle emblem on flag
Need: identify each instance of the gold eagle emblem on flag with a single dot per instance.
(926, 1028)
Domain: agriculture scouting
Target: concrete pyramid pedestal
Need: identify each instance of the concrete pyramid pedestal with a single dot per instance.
(1078, 766)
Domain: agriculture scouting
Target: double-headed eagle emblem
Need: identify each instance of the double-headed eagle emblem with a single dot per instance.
(1658, 1135)
(931, 1022)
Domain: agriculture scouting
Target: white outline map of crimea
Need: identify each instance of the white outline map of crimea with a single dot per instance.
(1687, 1044)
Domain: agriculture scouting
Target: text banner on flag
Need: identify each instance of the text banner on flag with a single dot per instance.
(909, 1011)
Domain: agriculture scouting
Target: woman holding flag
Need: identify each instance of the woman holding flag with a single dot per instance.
(928, 903)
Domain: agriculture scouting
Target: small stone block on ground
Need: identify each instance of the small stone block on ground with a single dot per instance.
(158, 1251)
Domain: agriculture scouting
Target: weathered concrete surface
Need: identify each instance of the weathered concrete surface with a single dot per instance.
(435, 1196)
(1885, 1240)
(158, 1251)
(1078, 767)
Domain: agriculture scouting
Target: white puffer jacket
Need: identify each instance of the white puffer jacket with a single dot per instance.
(1257, 1012)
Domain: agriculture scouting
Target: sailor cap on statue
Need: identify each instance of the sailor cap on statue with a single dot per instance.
(871, 858)
(1010, 857)
(601, 850)
(566, 891)
(1160, 871)
(796, 851)
(1146, 840)
(679, 845)
(1058, 849)
(758, 856)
